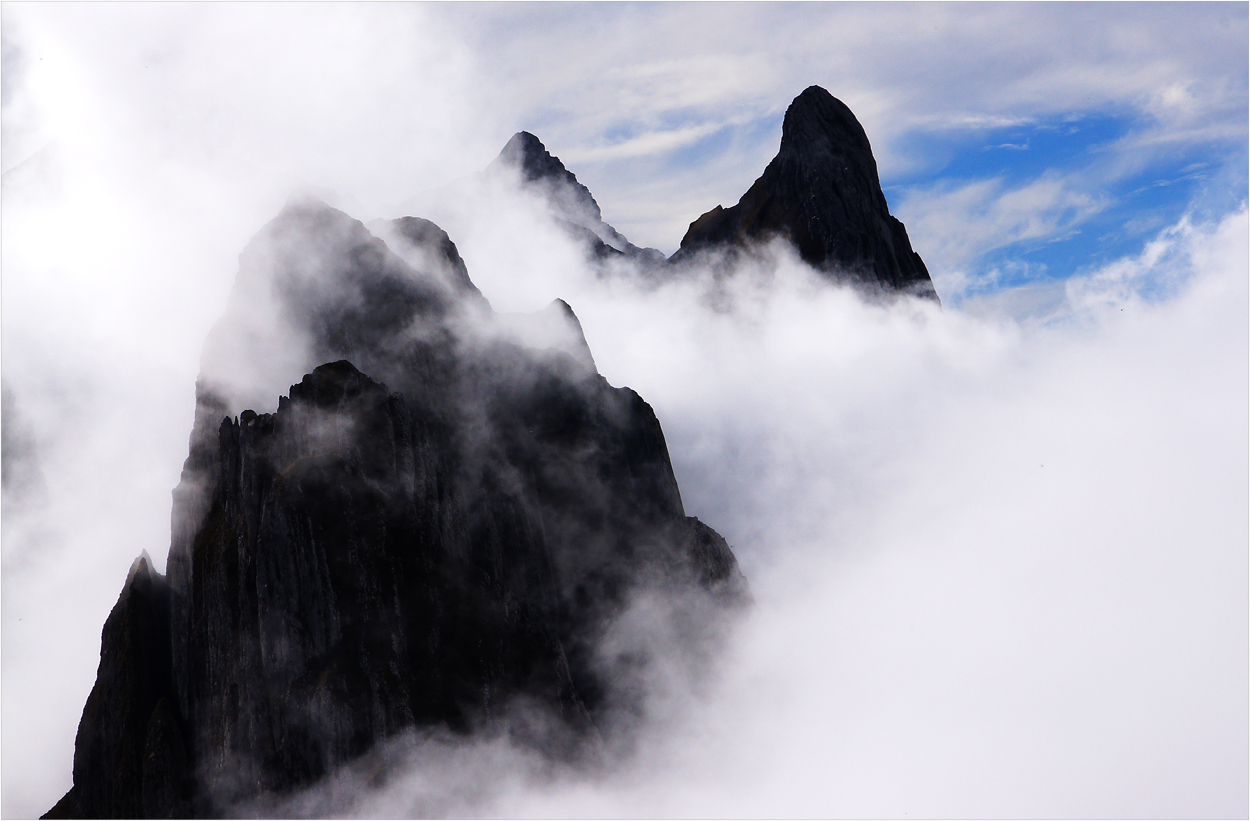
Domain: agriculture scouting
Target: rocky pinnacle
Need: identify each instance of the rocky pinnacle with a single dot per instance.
(822, 193)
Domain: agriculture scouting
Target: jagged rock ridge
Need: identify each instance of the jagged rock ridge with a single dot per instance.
(437, 522)
(129, 759)
(822, 193)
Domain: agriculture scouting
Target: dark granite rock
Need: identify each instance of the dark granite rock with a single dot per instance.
(823, 194)
(430, 249)
(440, 522)
(127, 761)
(571, 202)
(363, 596)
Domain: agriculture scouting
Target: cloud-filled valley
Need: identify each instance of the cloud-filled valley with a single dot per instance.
(997, 548)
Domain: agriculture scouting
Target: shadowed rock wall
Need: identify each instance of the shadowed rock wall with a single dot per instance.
(435, 524)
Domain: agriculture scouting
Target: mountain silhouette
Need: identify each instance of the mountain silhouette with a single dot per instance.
(822, 193)
(403, 511)
(436, 527)
(570, 201)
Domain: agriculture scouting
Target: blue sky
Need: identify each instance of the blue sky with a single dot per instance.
(1020, 143)
(1120, 212)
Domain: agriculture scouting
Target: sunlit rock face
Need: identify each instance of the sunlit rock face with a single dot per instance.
(400, 510)
(822, 193)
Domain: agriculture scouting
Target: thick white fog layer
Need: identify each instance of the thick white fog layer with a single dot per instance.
(998, 553)
(999, 570)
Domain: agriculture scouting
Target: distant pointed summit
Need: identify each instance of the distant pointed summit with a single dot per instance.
(527, 154)
(571, 202)
(821, 122)
(822, 192)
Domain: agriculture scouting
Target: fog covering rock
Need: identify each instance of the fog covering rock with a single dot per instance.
(444, 521)
(822, 193)
(435, 527)
(571, 202)
(525, 167)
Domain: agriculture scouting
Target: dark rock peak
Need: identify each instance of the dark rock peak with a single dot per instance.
(822, 133)
(564, 308)
(423, 234)
(527, 154)
(442, 518)
(332, 384)
(307, 239)
(580, 348)
(141, 567)
(553, 331)
(822, 193)
(130, 758)
(571, 202)
(316, 285)
(817, 121)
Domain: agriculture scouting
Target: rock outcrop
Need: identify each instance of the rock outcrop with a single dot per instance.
(129, 757)
(438, 522)
(822, 193)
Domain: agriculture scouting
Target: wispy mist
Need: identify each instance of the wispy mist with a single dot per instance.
(999, 570)
(999, 566)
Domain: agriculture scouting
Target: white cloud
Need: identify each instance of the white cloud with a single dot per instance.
(411, 97)
(1166, 265)
(958, 223)
(873, 467)
(999, 570)
(576, 78)
(650, 143)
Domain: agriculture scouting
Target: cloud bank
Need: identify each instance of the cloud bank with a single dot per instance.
(999, 570)
(999, 565)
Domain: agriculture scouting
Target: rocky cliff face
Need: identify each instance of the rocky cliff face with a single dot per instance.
(129, 757)
(437, 523)
(822, 193)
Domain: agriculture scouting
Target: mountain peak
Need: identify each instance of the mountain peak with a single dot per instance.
(816, 117)
(823, 194)
(571, 202)
(434, 532)
(528, 154)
